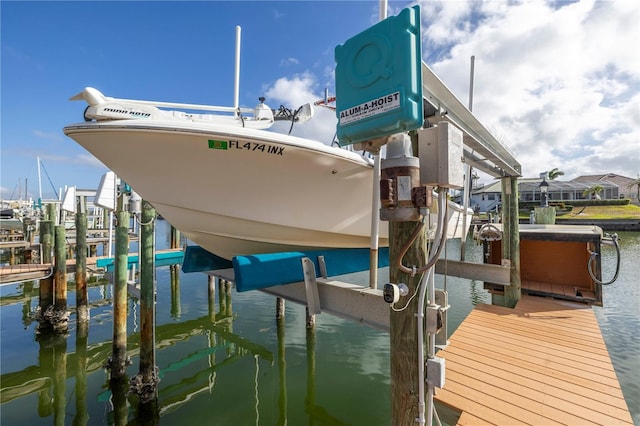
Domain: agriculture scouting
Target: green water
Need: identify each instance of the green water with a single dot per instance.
(225, 361)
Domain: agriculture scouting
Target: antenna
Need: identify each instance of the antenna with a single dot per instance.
(236, 82)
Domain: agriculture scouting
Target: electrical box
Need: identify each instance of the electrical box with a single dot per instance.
(434, 319)
(435, 371)
(379, 80)
(440, 150)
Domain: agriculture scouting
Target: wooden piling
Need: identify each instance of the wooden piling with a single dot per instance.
(280, 308)
(82, 300)
(403, 329)
(60, 269)
(147, 302)
(311, 319)
(119, 354)
(52, 213)
(46, 285)
(511, 238)
(175, 238)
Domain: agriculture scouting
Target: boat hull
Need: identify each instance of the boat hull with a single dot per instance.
(241, 191)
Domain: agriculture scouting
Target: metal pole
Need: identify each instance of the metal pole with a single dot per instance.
(375, 201)
(236, 79)
(466, 192)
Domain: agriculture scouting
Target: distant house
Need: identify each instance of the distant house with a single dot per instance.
(626, 188)
(485, 198)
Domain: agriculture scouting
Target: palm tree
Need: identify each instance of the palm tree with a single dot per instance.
(554, 173)
(593, 192)
(635, 183)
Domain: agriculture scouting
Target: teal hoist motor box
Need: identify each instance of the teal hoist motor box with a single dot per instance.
(379, 80)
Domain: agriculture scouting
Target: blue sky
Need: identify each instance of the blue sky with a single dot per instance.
(557, 82)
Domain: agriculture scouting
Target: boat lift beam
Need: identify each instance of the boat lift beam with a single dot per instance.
(482, 150)
(362, 304)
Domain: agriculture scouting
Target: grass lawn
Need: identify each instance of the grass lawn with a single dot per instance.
(604, 212)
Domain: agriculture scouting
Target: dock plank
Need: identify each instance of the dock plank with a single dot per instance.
(544, 362)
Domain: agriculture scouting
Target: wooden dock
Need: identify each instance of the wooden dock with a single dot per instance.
(544, 362)
(35, 271)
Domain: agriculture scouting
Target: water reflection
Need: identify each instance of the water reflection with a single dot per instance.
(225, 359)
(82, 338)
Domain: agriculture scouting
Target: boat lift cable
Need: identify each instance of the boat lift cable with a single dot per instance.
(593, 255)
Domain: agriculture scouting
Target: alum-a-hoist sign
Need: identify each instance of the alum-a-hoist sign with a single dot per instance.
(379, 80)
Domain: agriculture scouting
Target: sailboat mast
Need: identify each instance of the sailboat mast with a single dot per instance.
(39, 181)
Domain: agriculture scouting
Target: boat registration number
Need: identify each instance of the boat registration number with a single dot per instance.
(247, 146)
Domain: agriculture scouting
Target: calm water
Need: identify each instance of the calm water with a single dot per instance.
(230, 364)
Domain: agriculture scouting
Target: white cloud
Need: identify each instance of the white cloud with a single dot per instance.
(556, 83)
(289, 61)
(560, 84)
(298, 90)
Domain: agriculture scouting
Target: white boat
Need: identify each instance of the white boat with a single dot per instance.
(230, 186)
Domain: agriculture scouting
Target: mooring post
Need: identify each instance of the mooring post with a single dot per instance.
(82, 302)
(175, 238)
(46, 284)
(59, 319)
(60, 267)
(147, 373)
(119, 354)
(311, 319)
(511, 238)
(279, 308)
(52, 213)
(403, 329)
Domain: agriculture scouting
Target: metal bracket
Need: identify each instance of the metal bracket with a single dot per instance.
(442, 299)
(323, 266)
(311, 286)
